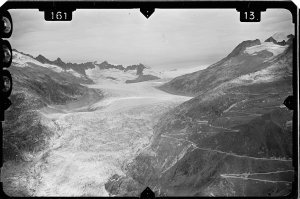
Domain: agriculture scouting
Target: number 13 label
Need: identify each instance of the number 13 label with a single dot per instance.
(249, 16)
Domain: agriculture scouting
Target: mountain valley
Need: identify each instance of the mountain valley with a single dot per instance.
(98, 129)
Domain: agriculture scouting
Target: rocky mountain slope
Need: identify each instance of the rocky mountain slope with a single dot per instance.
(280, 39)
(36, 85)
(234, 138)
(249, 56)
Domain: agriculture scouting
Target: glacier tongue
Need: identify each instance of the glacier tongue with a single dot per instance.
(94, 145)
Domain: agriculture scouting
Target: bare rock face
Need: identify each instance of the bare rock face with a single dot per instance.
(242, 46)
(42, 59)
(139, 68)
(106, 65)
(59, 62)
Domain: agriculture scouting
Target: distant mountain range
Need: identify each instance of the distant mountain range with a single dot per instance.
(80, 68)
(234, 138)
(88, 65)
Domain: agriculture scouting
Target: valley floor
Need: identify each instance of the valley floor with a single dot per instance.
(94, 140)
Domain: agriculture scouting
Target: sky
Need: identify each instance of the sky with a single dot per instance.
(170, 38)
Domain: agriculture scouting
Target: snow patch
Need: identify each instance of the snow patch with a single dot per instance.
(73, 72)
(21, 60)
(269, 46)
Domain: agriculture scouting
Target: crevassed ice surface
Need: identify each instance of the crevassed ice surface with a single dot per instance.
(89, 147)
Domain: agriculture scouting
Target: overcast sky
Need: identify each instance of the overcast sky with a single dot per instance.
(168, 39)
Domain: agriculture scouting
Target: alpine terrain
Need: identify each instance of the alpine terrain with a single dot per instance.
(99, 129)
(72, 126)
(233, 138)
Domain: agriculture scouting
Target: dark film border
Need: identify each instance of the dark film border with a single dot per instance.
(238, 5)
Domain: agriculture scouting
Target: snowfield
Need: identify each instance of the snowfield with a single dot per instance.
(99, 76)
(93, 144)
(73, 72)
(21, 60)
(102, 75)
(269, 46)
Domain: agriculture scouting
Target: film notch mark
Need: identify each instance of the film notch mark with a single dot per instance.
(147, 12)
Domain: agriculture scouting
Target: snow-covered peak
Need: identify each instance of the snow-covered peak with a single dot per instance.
(23, 60)
(280, 36)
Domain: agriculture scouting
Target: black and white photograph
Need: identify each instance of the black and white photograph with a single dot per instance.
(187, 102)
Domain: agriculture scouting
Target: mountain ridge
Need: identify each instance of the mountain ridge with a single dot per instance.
(233, 138)
(237, 63)
(281, 39)
(87, 65)
(79, 69)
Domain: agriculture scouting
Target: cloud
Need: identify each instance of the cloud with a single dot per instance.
(125, 36)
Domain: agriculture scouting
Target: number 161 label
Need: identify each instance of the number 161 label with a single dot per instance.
(249, 16)
(58, 15)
